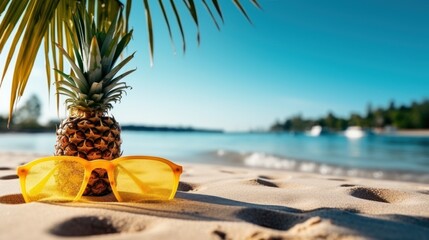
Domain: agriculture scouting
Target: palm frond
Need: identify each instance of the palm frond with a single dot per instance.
(27, 22)
(213, 10)
(149, 27)
(39, 19)
(240, 7)
(193, 11)
(211, 14)
(164, 14)
(179, 23)
(256, 3)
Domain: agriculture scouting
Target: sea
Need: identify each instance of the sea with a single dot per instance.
(392, 157)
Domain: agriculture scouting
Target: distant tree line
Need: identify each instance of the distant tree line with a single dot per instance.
(413, 116)
(26, 118)
(167, 129)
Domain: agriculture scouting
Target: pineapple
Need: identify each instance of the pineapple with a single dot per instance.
(90, 90)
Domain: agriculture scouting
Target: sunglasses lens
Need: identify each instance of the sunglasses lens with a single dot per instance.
(54, 180)
(142, 180)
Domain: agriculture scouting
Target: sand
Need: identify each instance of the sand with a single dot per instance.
(216, 202)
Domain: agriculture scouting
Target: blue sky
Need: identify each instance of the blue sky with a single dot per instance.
(306, 57)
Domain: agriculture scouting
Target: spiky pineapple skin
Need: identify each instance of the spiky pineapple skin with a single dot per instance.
(90, 136)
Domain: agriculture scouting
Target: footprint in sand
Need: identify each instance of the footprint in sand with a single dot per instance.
(231, 171)
(8, 177)
(274, 183)
(378, 194)
(424, 192)
(347, 185)
(276, 177)
(220, 234)
(337, 179)
(12, 199)
(187, 187)
(264, 235)
(267, 177)
(266, 182)
(262, 182)
(95, 225)
(270, 218)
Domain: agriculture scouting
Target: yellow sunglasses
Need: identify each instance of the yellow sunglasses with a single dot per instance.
(132, 178)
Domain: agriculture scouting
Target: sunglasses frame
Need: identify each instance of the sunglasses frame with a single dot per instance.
(89, 166)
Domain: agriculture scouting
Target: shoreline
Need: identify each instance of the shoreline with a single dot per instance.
(410, 133)
(270, 162)
(261, 160)
(144, 128)
(226, 202)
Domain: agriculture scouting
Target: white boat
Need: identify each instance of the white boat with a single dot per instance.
(315, 131)
(354, 132)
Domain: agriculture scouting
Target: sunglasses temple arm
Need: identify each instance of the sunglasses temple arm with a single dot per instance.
(141, 185)
(42, 183)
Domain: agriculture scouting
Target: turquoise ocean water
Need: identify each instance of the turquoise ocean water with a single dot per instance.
(374, 156)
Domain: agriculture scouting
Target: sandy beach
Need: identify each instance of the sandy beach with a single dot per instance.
(215, 202)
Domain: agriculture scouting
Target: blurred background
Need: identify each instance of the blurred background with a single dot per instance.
(332, 87)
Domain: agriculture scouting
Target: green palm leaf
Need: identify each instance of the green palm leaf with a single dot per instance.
(32, 21)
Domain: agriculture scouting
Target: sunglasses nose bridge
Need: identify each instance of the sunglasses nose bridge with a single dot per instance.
(104, 164)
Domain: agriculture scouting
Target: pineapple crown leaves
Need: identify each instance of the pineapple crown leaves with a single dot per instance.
(92, 86)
